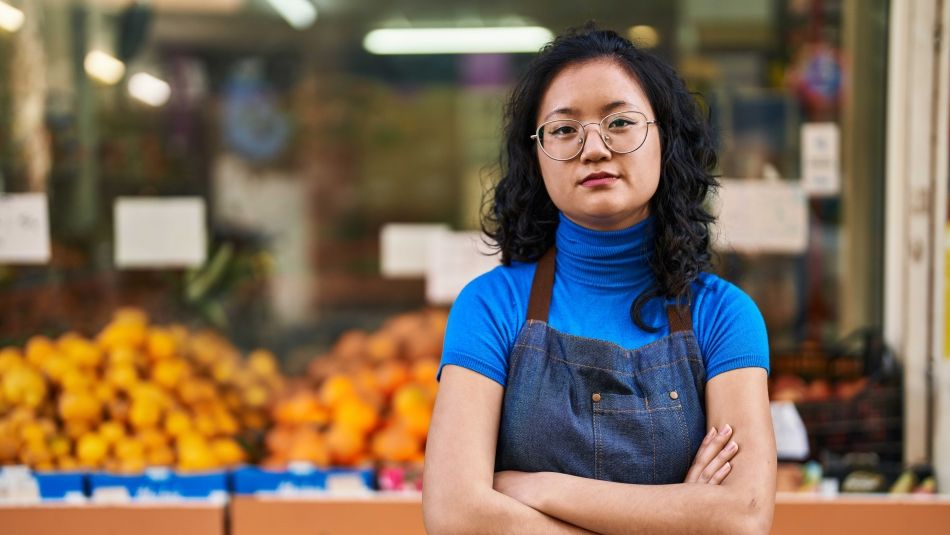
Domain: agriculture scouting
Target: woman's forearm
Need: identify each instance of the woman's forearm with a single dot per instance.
(617, 508)
(491, 512)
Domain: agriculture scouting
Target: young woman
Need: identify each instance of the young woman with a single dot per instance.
(602, 380)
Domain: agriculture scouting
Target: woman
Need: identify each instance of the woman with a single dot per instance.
(602, 380)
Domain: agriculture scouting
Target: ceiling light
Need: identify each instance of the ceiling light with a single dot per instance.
(149, 89)
(644, 36)
(457, 40)
(104, 67)
(11, 18)
(298, 13)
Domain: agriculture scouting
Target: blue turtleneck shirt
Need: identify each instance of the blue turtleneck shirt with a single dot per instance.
(598, 274)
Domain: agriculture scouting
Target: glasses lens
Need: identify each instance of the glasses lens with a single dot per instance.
(561, 140)
(625, 131)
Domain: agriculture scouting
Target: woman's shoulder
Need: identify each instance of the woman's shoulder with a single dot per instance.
(719, 302)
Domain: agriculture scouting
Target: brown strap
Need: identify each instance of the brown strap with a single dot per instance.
(539, 304)
(680, 318)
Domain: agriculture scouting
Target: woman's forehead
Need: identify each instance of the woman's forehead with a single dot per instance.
(592, 87)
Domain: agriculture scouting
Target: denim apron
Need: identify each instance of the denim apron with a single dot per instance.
(593, 409)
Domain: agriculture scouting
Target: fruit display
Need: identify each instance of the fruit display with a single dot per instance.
(134, 396)
(369, 400)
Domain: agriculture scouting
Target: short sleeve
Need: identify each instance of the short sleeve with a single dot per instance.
(482, 326)
(732, 332)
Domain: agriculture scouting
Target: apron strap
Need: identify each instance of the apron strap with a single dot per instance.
(539, 304)
(680, 318)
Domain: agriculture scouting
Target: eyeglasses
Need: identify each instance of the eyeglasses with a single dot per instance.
(563, 139)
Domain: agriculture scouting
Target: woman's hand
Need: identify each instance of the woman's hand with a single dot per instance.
(711, 465)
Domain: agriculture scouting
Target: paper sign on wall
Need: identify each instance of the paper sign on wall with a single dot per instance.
(404, 248)
(160, 232)
(24, 229)
(821, 158)
(454, 259)
(762, 216)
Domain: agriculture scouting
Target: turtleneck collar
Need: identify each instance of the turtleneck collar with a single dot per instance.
(615, 259)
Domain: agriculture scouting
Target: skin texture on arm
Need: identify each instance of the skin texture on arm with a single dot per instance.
(742, 504)
(460, 462)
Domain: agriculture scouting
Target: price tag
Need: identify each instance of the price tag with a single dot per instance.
(160, 232)
(821, 157)
(24, 229)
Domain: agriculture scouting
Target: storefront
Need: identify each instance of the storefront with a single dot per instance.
(284, 175)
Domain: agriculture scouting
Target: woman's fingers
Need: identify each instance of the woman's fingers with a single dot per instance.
(721, 474)
(713, 444)
(719, 461)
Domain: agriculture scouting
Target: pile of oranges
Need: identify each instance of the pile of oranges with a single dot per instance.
(135, 396)
(369, 400)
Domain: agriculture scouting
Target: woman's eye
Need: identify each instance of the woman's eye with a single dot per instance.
(563, 131)
(621, 122)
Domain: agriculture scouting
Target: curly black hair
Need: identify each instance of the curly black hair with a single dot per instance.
(518, 214)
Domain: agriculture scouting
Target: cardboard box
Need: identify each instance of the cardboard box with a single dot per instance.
(386, 515)
(94, 519)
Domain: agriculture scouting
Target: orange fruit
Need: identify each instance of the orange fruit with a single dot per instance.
(122, 376)
(22, 385)
(382, 347)
(337, 388)
(79, 405)
(345, 444)
(161, 343)
(395, 444)
(76, 429)
(391, 375)
(424, 371)
(144, 413)
(177, 422)
(356, 415)
(227, 452)
(262, 363)
(38, 349)
(417, 421)
(152, 438)
(124, 355)
(308, 445)
(91, 450)
(410, 398)
(161, 456)
(302, 408)
(111, 431)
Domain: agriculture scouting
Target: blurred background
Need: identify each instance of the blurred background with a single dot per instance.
(292, 175)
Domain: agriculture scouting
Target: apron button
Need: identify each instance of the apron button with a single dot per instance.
(674, 395)
(595, 397)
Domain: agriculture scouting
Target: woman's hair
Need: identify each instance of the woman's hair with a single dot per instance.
(519, 216)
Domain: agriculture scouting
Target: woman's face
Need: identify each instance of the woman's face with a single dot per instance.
(587, 92)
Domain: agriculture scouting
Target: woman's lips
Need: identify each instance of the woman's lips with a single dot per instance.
(594, 180)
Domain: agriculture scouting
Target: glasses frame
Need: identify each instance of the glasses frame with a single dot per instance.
(600, 131)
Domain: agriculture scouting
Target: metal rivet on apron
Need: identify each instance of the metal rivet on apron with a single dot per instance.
(595, 397)
(674, 395)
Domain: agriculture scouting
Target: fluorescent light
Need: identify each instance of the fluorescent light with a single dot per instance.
(456, 40)
(298, 13)
(104, 67)
(149, 89)
(11, 18)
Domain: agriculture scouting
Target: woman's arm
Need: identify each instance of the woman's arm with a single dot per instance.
(743, 503)
(457, 494)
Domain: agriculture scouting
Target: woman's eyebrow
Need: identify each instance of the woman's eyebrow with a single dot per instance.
(605, 108)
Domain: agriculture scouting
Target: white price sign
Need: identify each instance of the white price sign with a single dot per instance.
(160, 232)
(24, 229)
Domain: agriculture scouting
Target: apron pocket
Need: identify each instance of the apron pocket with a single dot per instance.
(636, 442)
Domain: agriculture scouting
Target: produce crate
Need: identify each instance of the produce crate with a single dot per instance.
(850, 397)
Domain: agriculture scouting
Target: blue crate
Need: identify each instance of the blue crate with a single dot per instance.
(61, 486)
(302, 478)
(162, 484)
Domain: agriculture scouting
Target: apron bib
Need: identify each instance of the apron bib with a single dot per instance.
(593, 409)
